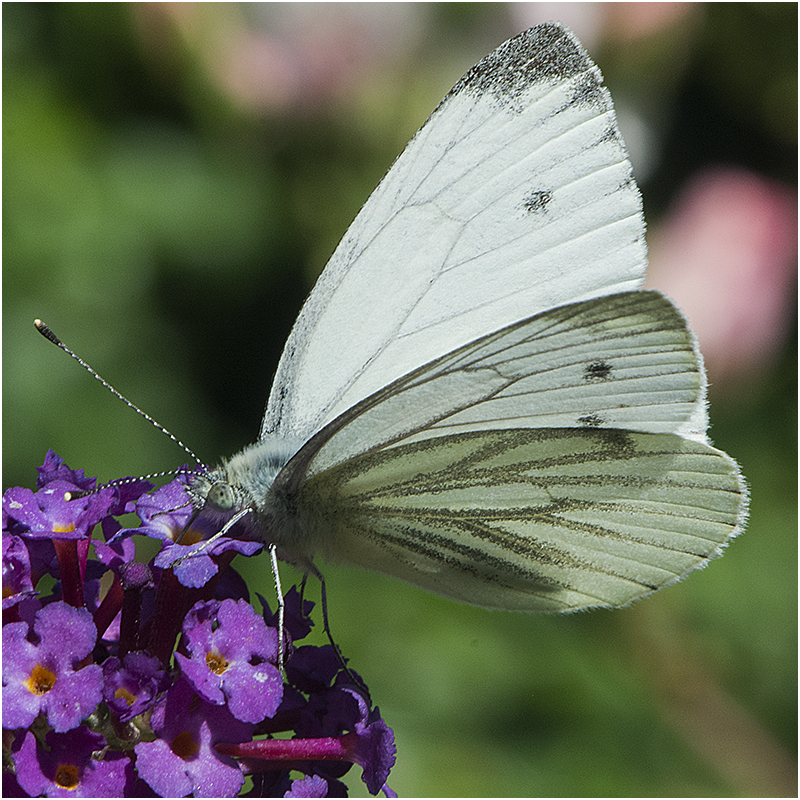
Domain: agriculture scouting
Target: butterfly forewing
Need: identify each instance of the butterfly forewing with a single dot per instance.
(534, 520)
(514, 197)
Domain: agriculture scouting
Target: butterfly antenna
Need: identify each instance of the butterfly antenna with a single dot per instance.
(48, 334)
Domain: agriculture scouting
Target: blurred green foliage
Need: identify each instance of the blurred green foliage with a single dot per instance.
(170, 235)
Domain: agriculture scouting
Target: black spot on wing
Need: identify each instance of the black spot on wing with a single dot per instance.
(591, 421)
(597, 371)
(535, 202)
(547, 52)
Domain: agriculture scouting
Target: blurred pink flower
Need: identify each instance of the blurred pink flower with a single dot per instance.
(727, 254)
(268, 57)
(604, 23)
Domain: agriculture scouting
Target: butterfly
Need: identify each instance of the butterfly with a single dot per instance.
(477, 397)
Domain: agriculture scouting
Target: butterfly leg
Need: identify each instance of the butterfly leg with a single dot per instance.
(276, 577)
(357, 682)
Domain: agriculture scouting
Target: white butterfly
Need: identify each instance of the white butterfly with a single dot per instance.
(476, 397)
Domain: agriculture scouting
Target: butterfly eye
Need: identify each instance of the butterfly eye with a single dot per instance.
(220, 496)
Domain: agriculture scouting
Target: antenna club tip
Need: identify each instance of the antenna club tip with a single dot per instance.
(46, 332)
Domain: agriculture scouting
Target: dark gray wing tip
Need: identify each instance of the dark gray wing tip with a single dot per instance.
(554, 51)
(549, 52)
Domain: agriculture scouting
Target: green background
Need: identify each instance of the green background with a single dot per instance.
(169, 234)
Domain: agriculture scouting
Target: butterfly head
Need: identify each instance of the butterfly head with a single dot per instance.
(220, 496)
(240, 484)
(212, 493)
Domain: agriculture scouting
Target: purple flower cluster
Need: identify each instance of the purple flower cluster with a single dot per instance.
(131, 679)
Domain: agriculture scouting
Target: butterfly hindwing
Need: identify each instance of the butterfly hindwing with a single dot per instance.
(536, 519)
